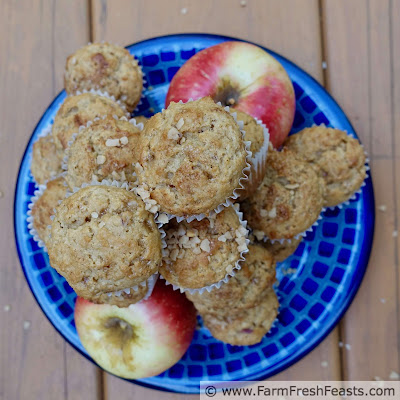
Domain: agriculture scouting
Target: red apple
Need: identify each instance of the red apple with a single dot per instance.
(243, 76)
(141, 340)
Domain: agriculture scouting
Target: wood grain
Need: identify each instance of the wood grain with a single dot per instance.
(360, 74)
(259, 21)
(35, 38)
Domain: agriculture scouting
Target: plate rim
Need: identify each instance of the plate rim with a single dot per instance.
(365, 249)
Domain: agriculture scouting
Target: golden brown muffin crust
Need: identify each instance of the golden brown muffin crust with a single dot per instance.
(254, 132)
(44, 207)
(124, 299)
(288, 201)
(249, 326)
(243, 290)
(104, 150)
(201, 253)
(103, 240)
(79, 110)
(338, 158)
(106, 67)
(193, 169)
(46, 160)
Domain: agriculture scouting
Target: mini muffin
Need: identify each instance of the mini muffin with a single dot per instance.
(192, 157)
(140, 119)
(79, 110)
(44, 207)
(339, 158)
(103, 240)
(201, 253)
(106, 67)
(258, 136)
(46, 160)
(243, 290)
(247, 327)
(104, 150)
(289, 199)
(281, 251)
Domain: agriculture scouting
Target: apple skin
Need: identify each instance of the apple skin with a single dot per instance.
(255, 80)
(141, 340)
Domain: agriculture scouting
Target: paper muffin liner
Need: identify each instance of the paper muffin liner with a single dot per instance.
(64, 164)
(237, 266)
(258, 164)
(145, 193)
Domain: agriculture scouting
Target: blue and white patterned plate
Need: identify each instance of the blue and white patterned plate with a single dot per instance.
(329, 263)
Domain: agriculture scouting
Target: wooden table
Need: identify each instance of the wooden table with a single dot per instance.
(359, 41)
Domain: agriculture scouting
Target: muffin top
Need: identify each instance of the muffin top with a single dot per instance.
(79, 110)
(104, 150)
(281, 251)
(254, 132)
(247, 327)
(339, 158)
(103, 240)
(192, 157)
(44, 207)
(242, 290)
(201, 253)
(106, 67)
(289, 199)
(46, 160)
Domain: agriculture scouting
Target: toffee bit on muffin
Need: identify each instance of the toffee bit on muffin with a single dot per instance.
(339, 160)
(104, 150)
(244, 289)
(117, 250)
(46, 160)
(43, 208)
(195, 257)
(248, 326)
(289, 199)
(195, 175)
(77, 111)
(281, 251)
(106, 67)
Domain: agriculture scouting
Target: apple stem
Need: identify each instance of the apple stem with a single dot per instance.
(231, 101)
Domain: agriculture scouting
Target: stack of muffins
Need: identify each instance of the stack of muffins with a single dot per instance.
(122, 200)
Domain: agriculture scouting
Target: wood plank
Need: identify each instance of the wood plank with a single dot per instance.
(359, 74)
(280, 27)
(34, 40)
(259, 21)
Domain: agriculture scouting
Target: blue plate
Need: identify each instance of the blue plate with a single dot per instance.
(329, 263)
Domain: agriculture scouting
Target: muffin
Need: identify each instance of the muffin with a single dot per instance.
(106, 67)
(79, 110)
(243, 290)
(289, 199)
(247, 327)
(281, 251)
(339, 158)
(140, 119)
(46, 160)
(43, 208)
(192, 157)
(104, 150)
(257, 134)
(104, 241)
(202, 253)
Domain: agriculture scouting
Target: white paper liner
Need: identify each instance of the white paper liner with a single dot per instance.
(237, 266)
(258, 163)
(236, 192)
(64, 164)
